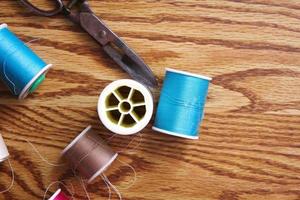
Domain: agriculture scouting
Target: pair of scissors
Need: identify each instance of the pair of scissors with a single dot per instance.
(80, 13)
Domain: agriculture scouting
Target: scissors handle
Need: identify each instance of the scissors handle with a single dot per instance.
(59, 6)
(114, 46)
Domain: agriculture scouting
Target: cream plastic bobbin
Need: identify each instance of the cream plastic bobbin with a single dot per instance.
(125, 107)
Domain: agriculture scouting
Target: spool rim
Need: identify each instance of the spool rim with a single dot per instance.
(37, 83)
(76, 139)
(103, 168)
(189, 74)
(4, 159)
(103, 109)
(5, 150)
(55, 194)
(26, 89)
(2, 26)
(175, 134)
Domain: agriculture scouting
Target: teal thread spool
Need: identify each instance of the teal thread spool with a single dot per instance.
(181, 105)
(21, 69)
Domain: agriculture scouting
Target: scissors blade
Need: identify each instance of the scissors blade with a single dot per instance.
(117, 49)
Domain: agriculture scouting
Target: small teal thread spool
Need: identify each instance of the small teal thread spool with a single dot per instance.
(181, 106)
(21, 69)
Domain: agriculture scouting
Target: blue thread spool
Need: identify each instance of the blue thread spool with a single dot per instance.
(20, 68)
(181, 105)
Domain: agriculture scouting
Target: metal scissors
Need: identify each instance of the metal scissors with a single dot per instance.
(80, 13)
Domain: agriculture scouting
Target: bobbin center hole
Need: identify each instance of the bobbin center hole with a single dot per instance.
(125, 107)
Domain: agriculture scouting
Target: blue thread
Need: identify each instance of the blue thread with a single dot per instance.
(181, 105)
(19, 65)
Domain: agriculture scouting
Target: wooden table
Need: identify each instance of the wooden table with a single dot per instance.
(250, 138)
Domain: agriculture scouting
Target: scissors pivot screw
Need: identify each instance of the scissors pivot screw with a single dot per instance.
(80, 13)
(103, 34)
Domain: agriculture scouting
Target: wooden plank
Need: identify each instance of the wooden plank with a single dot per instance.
(249, 144)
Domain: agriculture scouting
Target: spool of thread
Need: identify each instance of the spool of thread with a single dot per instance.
(59, 195)
(89, 155)
(20, 68)
(125, 107)
(3, 150)
(181, 105)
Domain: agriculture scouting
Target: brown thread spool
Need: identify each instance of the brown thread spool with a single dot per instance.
(89, 155)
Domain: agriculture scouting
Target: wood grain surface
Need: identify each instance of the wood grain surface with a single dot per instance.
(250, 138)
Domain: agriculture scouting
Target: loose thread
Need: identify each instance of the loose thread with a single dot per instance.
(127, 146)
(111, 137)
(12, 178)
(84, 188)
(108, 187)
(134, 172)
(59, 182)
(4, 70)
(5, 60)
(31, 41)
(131, 141)
(139, 143)
(104, 177)
(81, 180)
(42, 157)
(124, 163)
